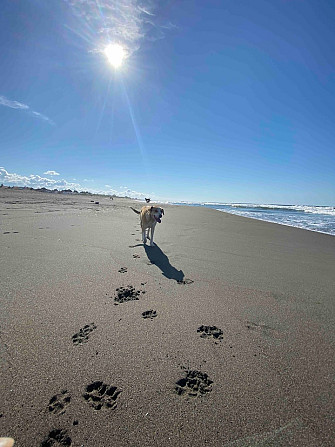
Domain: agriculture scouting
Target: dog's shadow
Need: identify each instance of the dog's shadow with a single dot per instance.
(157, 257)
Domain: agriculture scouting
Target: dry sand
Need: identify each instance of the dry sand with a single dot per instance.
(81, 369)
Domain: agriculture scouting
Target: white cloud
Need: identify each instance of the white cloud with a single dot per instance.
(18, 105)
(127, 192)
(35, 181)
(126, 22)
(12, 104)
(51, 173)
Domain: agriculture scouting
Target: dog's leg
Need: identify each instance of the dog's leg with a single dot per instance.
(144, 238)
(152, 236)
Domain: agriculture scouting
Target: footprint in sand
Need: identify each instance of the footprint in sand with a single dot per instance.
(261, 328)
(185, 281)
(83, 335)
(124, 294)
(135, 255)
(195, 384)
(123, 270)
(57, 438)
(210, 331)
(59, 402)
(100, 395)
(149, 314)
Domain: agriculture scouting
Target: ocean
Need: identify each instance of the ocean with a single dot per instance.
(308, 217)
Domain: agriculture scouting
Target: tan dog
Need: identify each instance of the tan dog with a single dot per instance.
(149, 217)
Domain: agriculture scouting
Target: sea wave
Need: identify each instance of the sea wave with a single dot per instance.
(329, 210)
(309, 217)
(321, 222)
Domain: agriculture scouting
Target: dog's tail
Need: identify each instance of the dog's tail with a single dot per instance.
(137, 212)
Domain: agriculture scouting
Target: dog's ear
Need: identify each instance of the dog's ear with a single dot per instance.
(162, 211)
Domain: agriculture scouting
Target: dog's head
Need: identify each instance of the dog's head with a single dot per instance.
(157, 213)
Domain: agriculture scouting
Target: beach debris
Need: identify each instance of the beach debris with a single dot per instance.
(57, 438)
(196, 383)
(83, 335)
(149, 314)
(124, 294)
(210, 331)
(59, 402)
(100, 395)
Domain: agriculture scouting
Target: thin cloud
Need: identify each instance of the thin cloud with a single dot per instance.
(18, 105)
(12, 104)
(51, 173)
(126, 22)
(43, 117)
(142, 8)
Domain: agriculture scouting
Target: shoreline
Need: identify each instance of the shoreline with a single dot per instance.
(279, 223)
(264, 219)
(79, 364)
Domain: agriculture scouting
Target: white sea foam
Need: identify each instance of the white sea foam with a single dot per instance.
(318, 219)
(329, 210)
(308, 217)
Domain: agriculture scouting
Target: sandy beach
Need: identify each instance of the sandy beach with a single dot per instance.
(220, 335)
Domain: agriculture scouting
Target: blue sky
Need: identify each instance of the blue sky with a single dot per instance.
(229, 101)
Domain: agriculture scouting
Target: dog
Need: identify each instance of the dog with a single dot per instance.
(149, 217)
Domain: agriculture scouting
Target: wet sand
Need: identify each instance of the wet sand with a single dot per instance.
(220, 335)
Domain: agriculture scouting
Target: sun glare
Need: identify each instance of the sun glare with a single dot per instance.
(115, 54)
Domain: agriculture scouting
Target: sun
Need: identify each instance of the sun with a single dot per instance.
(115, 54)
